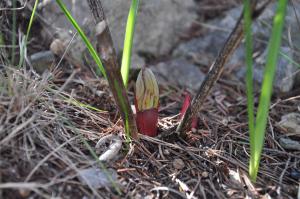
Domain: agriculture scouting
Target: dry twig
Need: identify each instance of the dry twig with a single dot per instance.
(216, 69)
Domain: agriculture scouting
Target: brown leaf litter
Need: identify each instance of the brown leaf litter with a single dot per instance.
(44, 128)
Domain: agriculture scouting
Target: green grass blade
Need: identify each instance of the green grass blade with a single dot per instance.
(249, 73)
(124, 110)
(82, 105)
(24, 42)
(83, 36)
(114, 84)
(14, 25)
(286, 57)
(126, 57)
(266, 91)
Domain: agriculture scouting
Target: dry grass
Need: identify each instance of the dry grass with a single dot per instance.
(42, 148)
(41, 133)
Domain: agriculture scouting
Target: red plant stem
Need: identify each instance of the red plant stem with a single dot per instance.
(185, 106)
(147, 122)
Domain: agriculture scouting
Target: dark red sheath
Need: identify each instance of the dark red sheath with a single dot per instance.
(147, 122)
(185, 105)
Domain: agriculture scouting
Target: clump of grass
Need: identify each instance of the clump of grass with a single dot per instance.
(41, 131)
(257, 127)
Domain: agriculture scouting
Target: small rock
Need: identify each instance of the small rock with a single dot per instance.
(289, 144)
(159, 26)
(203, 49)
(178, 164)
(24, 193)
(166, 152)
(97, 178)
(42, 61)
(179, 72)
(234, 177)
(57, 47)
(295, 174)
(291, 122)
(284, 78)
(204, 174)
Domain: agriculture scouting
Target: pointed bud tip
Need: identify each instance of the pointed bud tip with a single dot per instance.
(146, 90)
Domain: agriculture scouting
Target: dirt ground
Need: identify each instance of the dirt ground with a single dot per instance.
(48, 135)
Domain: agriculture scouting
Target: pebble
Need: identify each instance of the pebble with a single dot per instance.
(178, 164)
(166, 152)
(97, 178)
(24, 193)
(204, 174)
(291, 122)
(289, 144)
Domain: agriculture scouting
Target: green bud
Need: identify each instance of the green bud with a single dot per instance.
(146, 90)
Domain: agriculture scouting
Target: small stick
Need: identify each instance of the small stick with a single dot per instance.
(216, 69)
(108, 57)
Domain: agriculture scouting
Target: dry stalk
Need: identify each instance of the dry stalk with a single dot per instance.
(216, 69)
(108, 56)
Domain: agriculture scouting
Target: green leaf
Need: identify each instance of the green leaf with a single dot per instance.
(249, 73)
(266, 91)
(83, 36)
(24, 41)
(128, 41)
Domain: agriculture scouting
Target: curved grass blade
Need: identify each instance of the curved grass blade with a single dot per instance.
(114, 78)
(291, 60)
(24, 41)
(14, 25)
(83, 36)
(249, 73)
(128, 41)
(266, 91)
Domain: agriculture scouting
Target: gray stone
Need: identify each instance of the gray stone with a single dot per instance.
(285, 71)
(203, 49)
(159, 23)
(178, 164)
(178, 72)
(158, 27)
(98, 178)
(291, 122)
(289, 144)
(42, 61)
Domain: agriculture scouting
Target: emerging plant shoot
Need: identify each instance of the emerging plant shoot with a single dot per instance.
(146, 102)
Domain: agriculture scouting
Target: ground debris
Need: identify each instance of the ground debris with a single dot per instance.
(289, 144)
(97, 178)
(291, 122)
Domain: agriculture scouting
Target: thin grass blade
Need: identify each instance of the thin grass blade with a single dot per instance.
(128, 41)
(249, 73)
(24, 42)
(83, 36)
(266, 91)
(14, 25)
